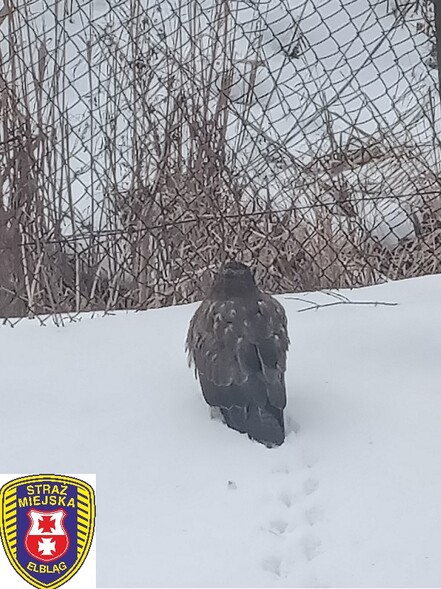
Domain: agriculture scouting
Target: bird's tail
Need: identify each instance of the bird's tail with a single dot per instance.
(263, 424)
(236, 418)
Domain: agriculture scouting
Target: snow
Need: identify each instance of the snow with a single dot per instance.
(351, 498)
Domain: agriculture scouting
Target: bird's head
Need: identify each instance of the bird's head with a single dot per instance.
(234, 280)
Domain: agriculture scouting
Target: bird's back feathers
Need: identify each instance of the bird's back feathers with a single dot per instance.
(238, 346)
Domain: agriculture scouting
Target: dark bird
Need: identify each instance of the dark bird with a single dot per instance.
(238, 341)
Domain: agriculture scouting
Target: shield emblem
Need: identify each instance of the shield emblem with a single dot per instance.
(46, 526)
(46, 538)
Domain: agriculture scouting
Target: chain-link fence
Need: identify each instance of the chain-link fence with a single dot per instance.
(143, 142)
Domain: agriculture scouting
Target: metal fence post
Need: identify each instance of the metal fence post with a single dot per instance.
(437, 6)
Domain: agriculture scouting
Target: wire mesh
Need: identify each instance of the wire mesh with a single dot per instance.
(144, 142)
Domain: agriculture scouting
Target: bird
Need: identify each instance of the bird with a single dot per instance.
(238, 341)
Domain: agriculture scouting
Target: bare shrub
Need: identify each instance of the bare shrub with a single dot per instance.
(131, 169)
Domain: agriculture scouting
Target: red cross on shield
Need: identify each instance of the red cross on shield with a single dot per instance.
(46, 539)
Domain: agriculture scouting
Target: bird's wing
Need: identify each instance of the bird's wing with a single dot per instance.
(239, 351)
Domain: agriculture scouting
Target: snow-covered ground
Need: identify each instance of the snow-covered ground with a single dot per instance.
(351, 499)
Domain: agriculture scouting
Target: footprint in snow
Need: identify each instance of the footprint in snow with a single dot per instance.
(282, 469)
(311, 547)
(287, 499)
(310, 486)
(313, 515)
(273, 565)
(278, 527)
(294, 517)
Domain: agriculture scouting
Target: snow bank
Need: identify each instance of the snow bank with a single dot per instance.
(351, 499)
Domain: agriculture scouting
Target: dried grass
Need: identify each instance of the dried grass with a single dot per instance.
(182, 204)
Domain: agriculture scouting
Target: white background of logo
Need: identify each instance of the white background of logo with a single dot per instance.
(85, 577)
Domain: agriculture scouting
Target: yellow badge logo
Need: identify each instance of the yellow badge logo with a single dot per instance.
(47, 524)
